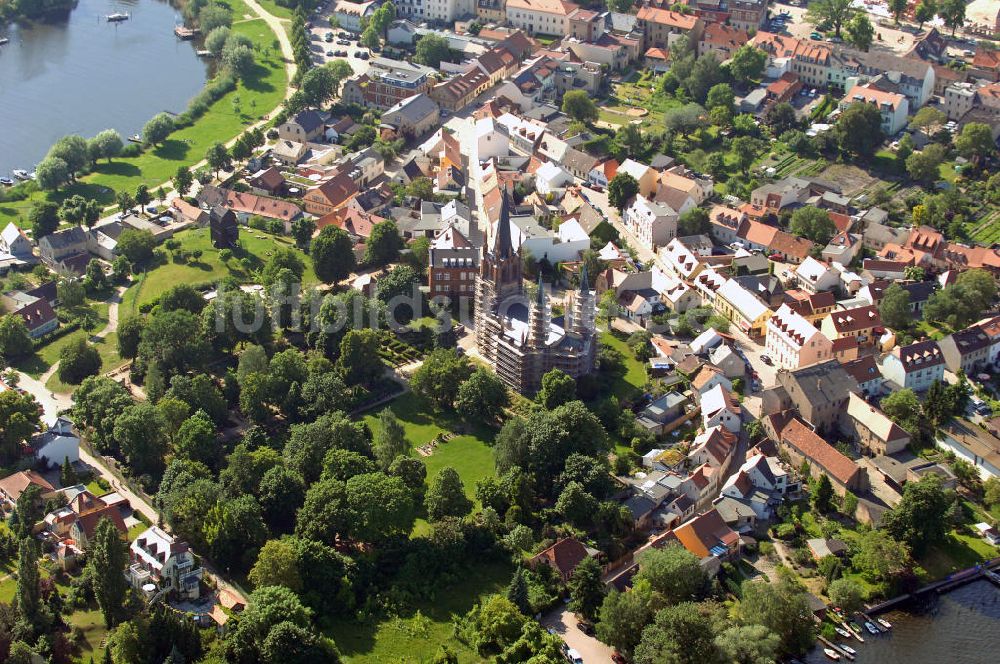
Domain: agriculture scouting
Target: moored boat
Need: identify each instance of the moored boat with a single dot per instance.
(872, 629)
(884, 623)
(117, 17)
(21, 174)
(4, 40)
(832, 654)
(848, 649)
(843, 632)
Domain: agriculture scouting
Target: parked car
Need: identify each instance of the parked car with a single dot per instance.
(586, 627)
(766, 359)
(329, 54)
(328, 37)
(573, 656)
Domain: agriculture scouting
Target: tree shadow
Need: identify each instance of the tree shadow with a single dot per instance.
(173, 149)
(256, 79)
(120, 168)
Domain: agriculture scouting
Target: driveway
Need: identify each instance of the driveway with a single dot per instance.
(599, 199)
(591, 650)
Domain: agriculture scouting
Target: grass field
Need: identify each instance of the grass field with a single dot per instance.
(641, 94)
(632, 382)
(959, 552)
(415, 638)
(273, 8)
(469, 454)
(209, 267)
(258, 95)
(39, 362)
(107, 347)
(91, 622)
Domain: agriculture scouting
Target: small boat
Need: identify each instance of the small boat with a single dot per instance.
(32, 175)
(117, 17)
(884, 623)
(7, 182)
(135, 138)
(21, 174)
(848, 649)
(4, 40)
(872, 629)
(832, 654)
(203, 53)
(843, 632)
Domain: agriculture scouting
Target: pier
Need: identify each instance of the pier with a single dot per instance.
(950, 582)
(834, 646)
(185, 33)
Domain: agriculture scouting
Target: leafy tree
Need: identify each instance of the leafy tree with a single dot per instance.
(72, 150)
(813, 223)
(218, 158)
(963, 302)
(107, 144)
(431, 49)
(195, 439)
(781, 118)
(439, 377)
(281, 493)
(308, 443)
(924, 12)
(846, 594)
(685, 119)
(482, 397)
(924, 166)
(705, 74)
(674, 573)
(975, 141)
(44, 218)
(381, 507)
(721, 95)
(97, 404)
(576, 505)
(680, 633)
(141, 436)
(389, 440)
(895, 307)
(918, 519)
(52, 173)
(586, 589)
(358, 363)
(748, 644)
(620, 616)
(517, 592)
(557, 388)
(747, 64)
(168, 341)
(77, 360)
(927, 118)
(302, 232)
(903, 408)
(19, 419)
(216, 40)
(183, 180)
(578, 105)
(14, 339)
(879, 556)
(157, 129)
(621, 189)
(782, 608)
(106, 562)
(860, 31)
(28, 597)
(953, 13)
(332, 254)
(859, 127)
(822, 494)
(836, 13)
(137, 246)
(446, 496)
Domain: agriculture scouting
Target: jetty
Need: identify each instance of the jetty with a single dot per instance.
(985, 570)
(992, 576)
(186, 33)
(834, 646)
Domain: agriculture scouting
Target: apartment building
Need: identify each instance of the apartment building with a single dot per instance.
(793, 342)
(545, 17)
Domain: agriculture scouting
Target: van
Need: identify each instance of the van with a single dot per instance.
(573, 656)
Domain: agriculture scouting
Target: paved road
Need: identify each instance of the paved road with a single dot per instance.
(599, 199)
(591, 650)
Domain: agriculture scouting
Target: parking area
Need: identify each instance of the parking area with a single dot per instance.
(562, 622)
(886, 37)
(327, 44)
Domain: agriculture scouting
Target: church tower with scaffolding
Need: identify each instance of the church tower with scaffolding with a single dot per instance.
(515, 331)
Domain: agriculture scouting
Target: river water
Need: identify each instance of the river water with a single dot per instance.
(961, 627)
(82, 74)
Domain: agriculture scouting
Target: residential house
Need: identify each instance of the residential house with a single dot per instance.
(815, 276)
(653, 224)
(643, 174)
(37, 313)
(865, 371)
(894, 108)
(808, 59)
(911, 77)
(163, 560)
(663, 412)
(550, 177)
(708, 537)
(727, 225)
(915, 366)
(12, 486)
(814, 307)
(386, 83)
(60, 248)
(578, 163)
(967, 350)
(304, 127)
(727, 361)
(85, 525)
(742, 308)
(745, 14)
(224, 227)
(268, 182)
(722, 40)
(15, 248)
(972, 444)
(453, 263)
(563, 557)
(714, 447)
(793, 342)
(679, 259)
(842, 248)
(546, 17)
(247, 205)
(705, 341)
(708, 377)
(862, 323)
(803, 444)
(601, 174)
(330, 195)
(350, 15)
(819, 392)
(57, 444)
(873, 429)
(661, 27)
(720, 408)
(413, 116)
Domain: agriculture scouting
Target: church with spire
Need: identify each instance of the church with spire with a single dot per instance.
(515, 330)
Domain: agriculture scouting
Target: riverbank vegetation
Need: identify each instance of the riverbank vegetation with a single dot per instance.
(12, 10)
(246, 88)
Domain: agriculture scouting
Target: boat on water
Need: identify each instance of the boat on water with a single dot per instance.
(884, 623)
(21, 174)
(6, 182)
(832, 654)
(843, 632)
(848, 649)
(135, 138)
(872, 629)
(4, 40)
(117, 17)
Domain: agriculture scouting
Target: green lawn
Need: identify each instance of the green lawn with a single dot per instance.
(209, 267)
(416, 637)
(469, 454)
(39, 362)
(272, 7)
(92, 623)
(959, 552)
(107, 347)
(632, 382)
(258, 95)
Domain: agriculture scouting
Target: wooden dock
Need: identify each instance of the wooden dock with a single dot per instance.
(186, 33)
(834, 646)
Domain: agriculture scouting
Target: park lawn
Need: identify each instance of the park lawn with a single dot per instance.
(631, 384)
(416, 637)
(209, 268)
(91, 622)
(470, 453)
(107, 347)
(958, 552)
(39, 362)
(259, 94)
(273, 8)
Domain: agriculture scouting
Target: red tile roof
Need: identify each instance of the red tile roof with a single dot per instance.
(807, 443)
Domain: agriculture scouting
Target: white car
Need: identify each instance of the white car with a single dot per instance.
(573, 656)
